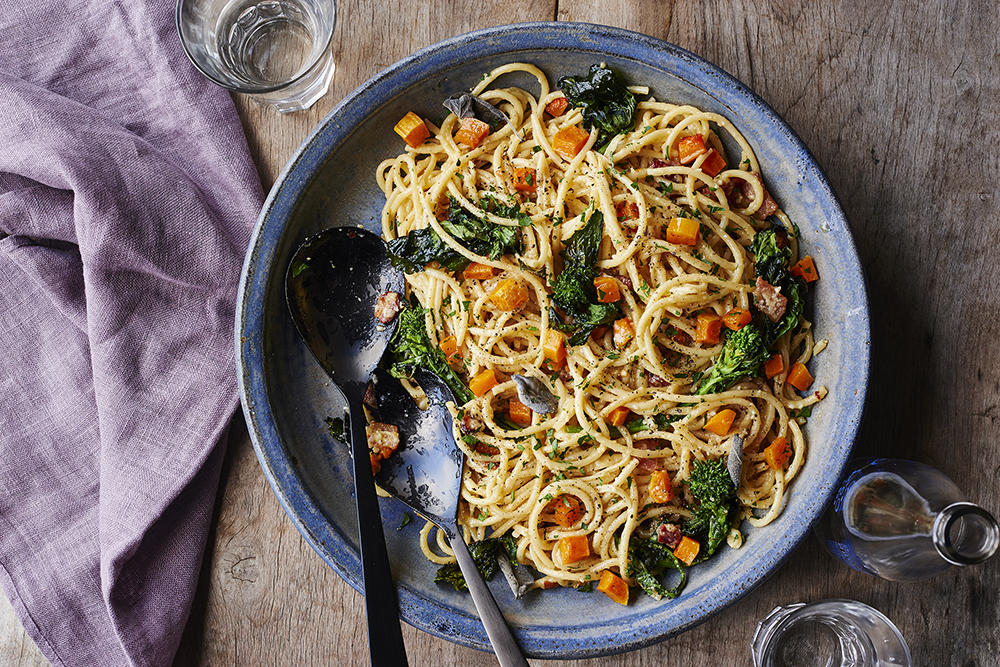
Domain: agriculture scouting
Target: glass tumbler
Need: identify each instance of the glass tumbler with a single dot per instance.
(276, 51)
(828, 633)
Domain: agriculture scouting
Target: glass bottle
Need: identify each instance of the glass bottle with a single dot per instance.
(903, 520)
(828, 633)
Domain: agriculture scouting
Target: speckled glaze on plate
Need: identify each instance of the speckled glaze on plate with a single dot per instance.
(330, 181)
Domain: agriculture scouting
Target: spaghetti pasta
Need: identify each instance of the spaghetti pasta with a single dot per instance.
(627, 386)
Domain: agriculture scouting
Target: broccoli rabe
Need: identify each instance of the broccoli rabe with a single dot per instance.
(713, 488)
(742, 354)
(485, 553)
(573, 291)
(647, 560)
(412, 348)
(771, 263)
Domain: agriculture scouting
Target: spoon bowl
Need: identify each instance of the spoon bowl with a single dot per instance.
(425, 474)
(333, 282)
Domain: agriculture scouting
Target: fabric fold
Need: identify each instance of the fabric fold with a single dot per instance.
(127, 197)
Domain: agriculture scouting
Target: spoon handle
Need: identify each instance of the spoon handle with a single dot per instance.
(504, 645)
(385, 637)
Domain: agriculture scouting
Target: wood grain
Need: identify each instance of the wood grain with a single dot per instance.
(898, 102)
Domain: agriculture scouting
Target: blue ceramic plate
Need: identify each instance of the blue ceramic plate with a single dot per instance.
(330, 182)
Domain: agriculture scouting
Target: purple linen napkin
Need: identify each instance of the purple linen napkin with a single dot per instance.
(127, 197)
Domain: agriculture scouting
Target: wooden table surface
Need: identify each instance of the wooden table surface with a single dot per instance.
(900, 104)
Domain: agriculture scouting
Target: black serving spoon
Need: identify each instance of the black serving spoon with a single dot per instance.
(425, 473)
(332, 285)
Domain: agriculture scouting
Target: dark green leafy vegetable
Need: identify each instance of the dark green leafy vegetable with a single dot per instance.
(742, 354)
(411, 348)
(485, 553)
(771, 262)
(605, 100)
(713, 488)
(416, 250)
(574, 292)
(647, 559)
(335, 425)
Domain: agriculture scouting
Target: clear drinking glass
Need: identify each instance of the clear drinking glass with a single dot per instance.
(276, 51)
(828, 633)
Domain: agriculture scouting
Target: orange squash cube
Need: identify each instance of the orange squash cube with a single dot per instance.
(614, 587)
(660, 488)
(777, 454)
(721, 422)
(737, 318)
(713, 163)
(483, 382)
(554, 346)
(618, 416)
(682, 231)
(573, 548)
(510, 295)
(623, 333)
(567, 510)
(412, 129)
(518, 412)
(607, 289)
(805, 269)
(689, 148)
(709, 329)
(557, 107)
(524, 180)
(774, 366)
(569, 141)
(477, 271)
(687, 550)
(471, 131)
(449, 346)
(799, 377)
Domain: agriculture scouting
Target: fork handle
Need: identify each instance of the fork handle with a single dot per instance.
(504, 645)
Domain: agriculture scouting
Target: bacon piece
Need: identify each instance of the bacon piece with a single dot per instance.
(388, 306)
(657, 163)
(768, 206)
(668, 535)
(469, 423)
(769, 300)
(383, 439)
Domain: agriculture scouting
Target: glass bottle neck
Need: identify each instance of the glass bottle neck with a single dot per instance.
(965, 534)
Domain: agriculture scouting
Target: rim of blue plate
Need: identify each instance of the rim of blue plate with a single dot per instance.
(259, 273)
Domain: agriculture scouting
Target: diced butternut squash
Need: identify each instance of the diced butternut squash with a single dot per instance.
(618, 416)
(567, 510)
(689, 148)
(607, 289)
(614, 587)
(477, 271)
(524, 180)
(471, 131)
(721, 422)
(799, 377)
(518, 412)
(554, 346)
(573, 548)
(623, 333)
(661, 490)
(412, 129)
(510, 295)
(557, 107)
(569, 141)
(774, 366)
(709, 329)
(449, 345)
(737, 318)
(682, 231)
(805, 269)
(483, 382)
(777, 454)
(713, 163)
(626, 210)
(687, 550)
